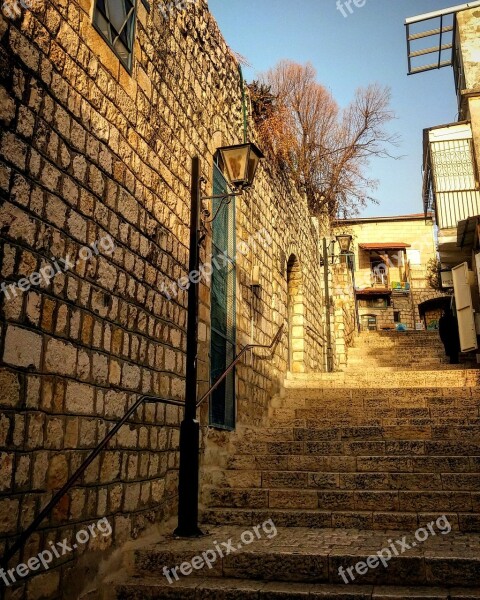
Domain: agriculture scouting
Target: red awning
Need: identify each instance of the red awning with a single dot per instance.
(385, 246)
(374, 292)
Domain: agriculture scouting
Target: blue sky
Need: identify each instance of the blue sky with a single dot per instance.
(368, 46)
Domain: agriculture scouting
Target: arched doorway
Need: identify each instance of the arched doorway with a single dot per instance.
(296, 317)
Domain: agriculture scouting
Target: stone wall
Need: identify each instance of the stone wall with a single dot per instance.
(468, 39)
(92, 154)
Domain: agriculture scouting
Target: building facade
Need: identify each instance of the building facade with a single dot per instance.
(390, 262)
(451, 186)
(102, 112)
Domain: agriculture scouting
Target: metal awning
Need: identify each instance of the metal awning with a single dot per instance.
(437, 29)
(384, 246)
(374, 292)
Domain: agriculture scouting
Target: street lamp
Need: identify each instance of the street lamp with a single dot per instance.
(344, 241)
(241, 164)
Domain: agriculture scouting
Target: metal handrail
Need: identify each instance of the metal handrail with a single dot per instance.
(81, 469)
(274, 342)
(93, 455)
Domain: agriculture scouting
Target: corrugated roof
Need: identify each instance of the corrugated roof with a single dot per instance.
(412, 217)
(385, 246)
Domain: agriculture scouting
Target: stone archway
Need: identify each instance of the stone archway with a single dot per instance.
(296, 316)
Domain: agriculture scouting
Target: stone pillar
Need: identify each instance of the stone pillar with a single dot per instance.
(343, 328)
(296, 316)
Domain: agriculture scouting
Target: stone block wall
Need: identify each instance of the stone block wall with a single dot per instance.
(468, 39)
(95, 191)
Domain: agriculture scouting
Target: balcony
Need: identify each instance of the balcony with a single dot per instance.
(388, 266)
(379, 279)
(450, 183)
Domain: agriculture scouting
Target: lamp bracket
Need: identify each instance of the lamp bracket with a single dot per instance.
(221, 196)
(206, 213)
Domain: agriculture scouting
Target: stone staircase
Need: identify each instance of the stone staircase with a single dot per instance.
(347, 464)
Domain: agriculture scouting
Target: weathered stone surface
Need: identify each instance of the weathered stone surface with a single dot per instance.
(10, 388)
(23, 348)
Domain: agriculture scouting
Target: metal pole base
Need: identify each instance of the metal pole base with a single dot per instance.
(188, 486)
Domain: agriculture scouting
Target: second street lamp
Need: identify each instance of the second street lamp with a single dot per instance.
(344, 241)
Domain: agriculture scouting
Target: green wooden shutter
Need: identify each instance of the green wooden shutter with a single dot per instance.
(223, 306)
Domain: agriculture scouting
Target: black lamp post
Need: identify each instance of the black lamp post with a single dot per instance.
(241, 164)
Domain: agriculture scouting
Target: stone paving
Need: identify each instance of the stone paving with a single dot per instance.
(349, 466)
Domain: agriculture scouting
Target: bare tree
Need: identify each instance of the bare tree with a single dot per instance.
(325, 149)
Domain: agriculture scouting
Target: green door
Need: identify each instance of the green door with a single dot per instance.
(223, 306)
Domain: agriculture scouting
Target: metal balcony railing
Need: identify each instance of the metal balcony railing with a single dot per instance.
(450, 182)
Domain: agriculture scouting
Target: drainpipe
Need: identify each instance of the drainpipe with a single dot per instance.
(357, 315)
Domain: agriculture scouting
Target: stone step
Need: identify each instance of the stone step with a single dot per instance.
(376, 520)
(458, 373)
(397, 428)
(394, 446)
(366, 479)
(398, 339)
(404, 361)
(359, 369)
(381, 398)
(395, 353)
(220, 588)
(372, 382)
(420, 344)
(398, 342)
(352, 392)
(344, 499)
(349, 421)
(381, 406)
(369, 413)
(351, 464)
(372, 378)
(434, 350)
(268, 552)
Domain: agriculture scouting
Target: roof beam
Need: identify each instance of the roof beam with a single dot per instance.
(442, 13)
